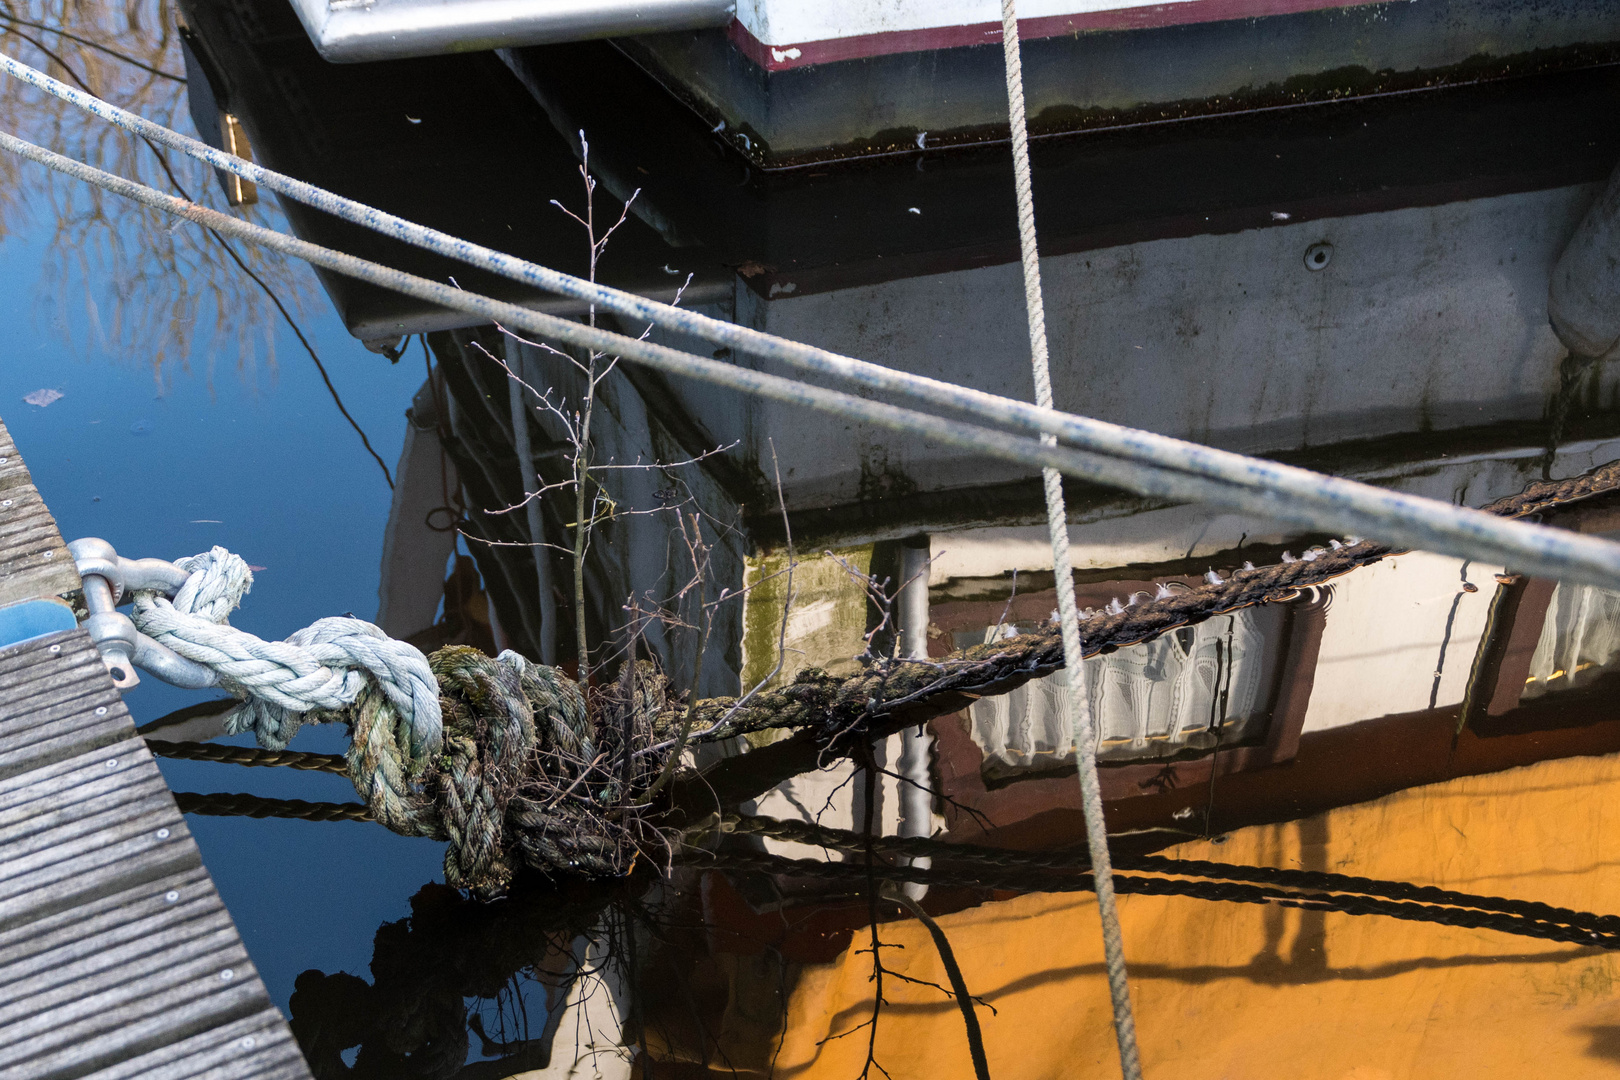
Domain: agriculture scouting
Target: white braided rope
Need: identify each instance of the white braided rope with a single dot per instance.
(323, 667)
(1057, 520)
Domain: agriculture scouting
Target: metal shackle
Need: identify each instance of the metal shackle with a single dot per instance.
(108, 580)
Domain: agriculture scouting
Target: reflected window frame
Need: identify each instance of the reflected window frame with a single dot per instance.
(962, 760)
(1495, 702)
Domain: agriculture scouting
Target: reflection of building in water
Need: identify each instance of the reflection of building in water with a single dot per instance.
(1360, 287)
(1379, 782)
(1179, 695)
(1275, 280)
(1579, 641)
(1253, 991)
(1385, 748)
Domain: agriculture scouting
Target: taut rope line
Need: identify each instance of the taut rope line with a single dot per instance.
(478, 704)
(1136, 460)
(1057, 524)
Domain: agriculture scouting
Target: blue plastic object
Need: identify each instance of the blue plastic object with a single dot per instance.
(33, 619)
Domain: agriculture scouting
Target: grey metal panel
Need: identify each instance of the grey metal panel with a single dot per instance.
(350, 30)
(117, 958)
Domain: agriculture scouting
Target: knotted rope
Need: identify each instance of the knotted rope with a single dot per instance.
(320, 669)
(527, 771)
(419, 774)
(497, 757)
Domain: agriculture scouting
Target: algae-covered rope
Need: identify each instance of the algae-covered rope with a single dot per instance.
(832, 704)
(524, 777)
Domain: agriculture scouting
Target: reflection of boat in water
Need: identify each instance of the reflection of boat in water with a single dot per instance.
(748, 971)
(1441, 213)
(1419, 720)
(1359, 285)
(1411, 348)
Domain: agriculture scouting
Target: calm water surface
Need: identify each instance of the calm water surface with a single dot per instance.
(1420, 719)
(262, 463)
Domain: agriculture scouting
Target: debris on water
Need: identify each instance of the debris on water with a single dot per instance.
(142, 426)
(44, 397)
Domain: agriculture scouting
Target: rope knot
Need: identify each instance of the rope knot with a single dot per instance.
(219, 579)
(318, 672)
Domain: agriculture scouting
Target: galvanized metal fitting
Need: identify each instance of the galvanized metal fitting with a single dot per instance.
(108, 580)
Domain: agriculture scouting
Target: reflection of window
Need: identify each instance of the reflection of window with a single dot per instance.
(1550, 655)
(1176, 696)
(1580, 639)
(1238, 683)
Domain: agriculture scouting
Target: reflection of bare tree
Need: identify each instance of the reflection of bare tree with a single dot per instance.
(148, 287)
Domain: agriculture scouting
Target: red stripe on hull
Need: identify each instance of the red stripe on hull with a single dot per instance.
(861, 46)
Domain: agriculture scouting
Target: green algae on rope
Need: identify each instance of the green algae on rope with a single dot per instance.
(524, 775)
(533, 771)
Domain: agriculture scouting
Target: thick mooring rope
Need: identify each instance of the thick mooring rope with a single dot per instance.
(322, 668)
(527, 773)
(1038, 863)
(1057, 524)
(1572, 927)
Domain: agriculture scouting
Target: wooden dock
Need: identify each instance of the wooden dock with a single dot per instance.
(117, 958)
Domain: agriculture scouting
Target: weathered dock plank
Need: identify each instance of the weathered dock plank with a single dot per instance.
(117, 957)
(34, 560)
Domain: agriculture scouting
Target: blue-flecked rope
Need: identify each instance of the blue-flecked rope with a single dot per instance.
(1153, 465)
